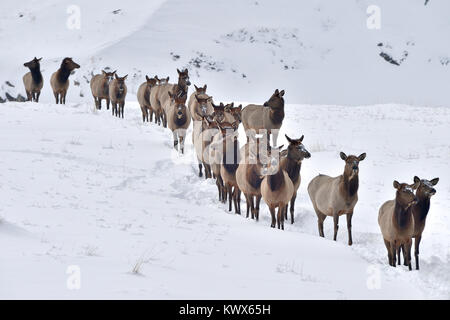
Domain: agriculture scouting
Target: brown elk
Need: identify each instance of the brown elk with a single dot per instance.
(268, 117)
(198, 91)
(143, 96)
(117, 94)
(60, 79)
(420, 211)
(160, 99)
(276, 187)
(178, 119)
(397, 223)
(225, 146)
(33, 80)
(100, 88)
(292, 163)
(248, 175)
(222, 112)
(337, 196)
(202, 136)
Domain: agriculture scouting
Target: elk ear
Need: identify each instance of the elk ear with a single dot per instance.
(280, 147)
(416, 179)
(147, 78)
(125, 77)
(434, 181)
(396, 184)
(281, 93)
(103, 72)
(415, 185)
(343, 156)
(240, 107)
(288, 139)
(362, 156)
(115, 75)
(204, 87)
(156, 77)
(232, 105)
(221, 104)
(301, 138)
(39, 59)
(277, 92)
(196, 88)
(167, 79)
(179, 72)
(114, 72)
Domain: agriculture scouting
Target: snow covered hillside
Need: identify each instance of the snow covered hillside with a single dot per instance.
(81, 188)
(320, 51)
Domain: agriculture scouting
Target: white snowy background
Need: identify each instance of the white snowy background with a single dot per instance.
(81, 188)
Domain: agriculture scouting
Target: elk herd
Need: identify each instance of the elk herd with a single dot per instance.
(258, 169)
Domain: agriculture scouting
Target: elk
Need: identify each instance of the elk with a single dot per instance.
(202, 136)
(178, 119)
(160, 99)
(292, 163)
(268, 117)
(420, 211)
(143, 96)
(200, 106)
(337, 196)
(100, 88)
(60, 79)
(33, 80)
(117, 94)
(222, 112)
(276, 187)
(226, 154)
(198, 91)
(397, 223)
(248, 175)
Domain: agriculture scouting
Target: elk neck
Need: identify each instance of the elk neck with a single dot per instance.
(36, 74)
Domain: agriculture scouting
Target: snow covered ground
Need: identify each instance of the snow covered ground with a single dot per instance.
(82, 188)
(109, 196)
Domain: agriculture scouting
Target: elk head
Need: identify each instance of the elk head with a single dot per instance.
(276, 101)
(426, 187)
(200, 90)
(183, 78)
(69, 64)
(270, 161)
(296, 149)
(203, 101)
(352, 164)
(120, 83)
(180, 107)
(33, 64)
(405, 193)
(108, 75)
(151, 82)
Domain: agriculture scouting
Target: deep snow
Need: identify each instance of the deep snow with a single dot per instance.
(83, 188)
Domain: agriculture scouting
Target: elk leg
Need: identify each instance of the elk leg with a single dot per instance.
(388, 247)
(258, 201)
(235, 200)
(56, 96)
(200, 173)
(107, 104)
(349, 228)
(393, 252)
(181, 137)
(272, 213)
(144, 114)
(37, 96)
(399, 251)
(150, 115)
(230, 195)
(33, 96)
(122, 107)
(407, 253)
(62, 98)
(29, 97)
(247, 200)
(175, 140)
(219, 188)
(99, 106)
(336, 224)
(416, 250)
(292, 207)
(239, 200)
(252, 206)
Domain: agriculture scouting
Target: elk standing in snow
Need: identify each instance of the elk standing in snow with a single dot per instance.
(276, 188)
(267, 117)
(292, 163)
(100, 88)
(397, 223)
(60, 79)
(143, 96)
(178, 119)
(117, 94)
(33, 80)
(337, 196)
